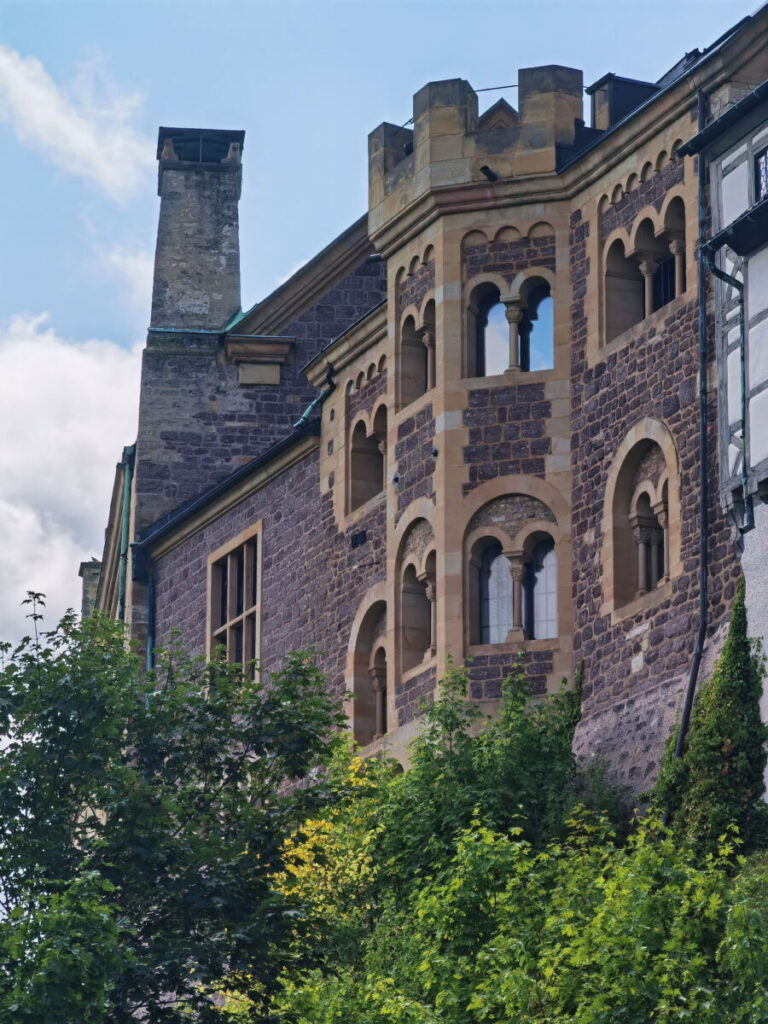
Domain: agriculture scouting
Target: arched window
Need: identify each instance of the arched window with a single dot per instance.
(415, 619)
(541, 592)
(429, 341)
(648, 533)
(370, 678)
(643, 531)
(413, 363)
(488, 350)
(495, 594)
(624, 292)
(367, 461)
(537, 329)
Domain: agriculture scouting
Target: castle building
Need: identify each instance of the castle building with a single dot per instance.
(483, 422)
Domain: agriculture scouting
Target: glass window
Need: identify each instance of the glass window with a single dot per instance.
(495, 596)
(761, 175)
(541, 592)
(234, 599)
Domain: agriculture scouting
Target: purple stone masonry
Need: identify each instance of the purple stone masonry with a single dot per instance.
(509, 258)
(647, 193)
(197, 424)
(415, 462)
(412, 289)
(486, 672)
(648, 653)
(507, 432)
(365, 399)
(414, 692)
(312, 579)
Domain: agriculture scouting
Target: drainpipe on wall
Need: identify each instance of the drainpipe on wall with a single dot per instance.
(701, 632)
(150, 656)
(748, 515)
(125, 520)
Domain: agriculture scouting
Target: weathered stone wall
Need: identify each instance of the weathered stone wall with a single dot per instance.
(413, 693)
(415, 462)
(507, 432)
(413, 287)
(486, 672)
(197, 425)
(364, 399)
(635, 668)
(647, 193)
(313, 581)
(197, 258)
(509, 258)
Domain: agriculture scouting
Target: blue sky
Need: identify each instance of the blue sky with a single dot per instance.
(83, 88)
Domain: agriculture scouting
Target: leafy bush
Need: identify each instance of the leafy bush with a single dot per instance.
(718, 781)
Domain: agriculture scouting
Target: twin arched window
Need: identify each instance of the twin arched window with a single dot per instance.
(367, 458)
(642, 523)
(417, 356)
(510, 334)
(640, 282)
(513, 597)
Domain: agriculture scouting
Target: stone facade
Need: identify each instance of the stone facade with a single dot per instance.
(387, 485)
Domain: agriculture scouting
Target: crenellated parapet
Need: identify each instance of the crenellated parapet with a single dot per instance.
(452, 146)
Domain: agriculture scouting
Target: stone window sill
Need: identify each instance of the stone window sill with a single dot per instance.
(547, 644)
(637, 605)
(362, 510)
(427, 663)
(643, 326)
(500, 380)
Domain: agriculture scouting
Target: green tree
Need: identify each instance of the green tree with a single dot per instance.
(718, 781)
(143, 816)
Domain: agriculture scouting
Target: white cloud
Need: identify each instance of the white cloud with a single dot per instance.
(85, 131)
(134, 267)
(66, 410)
(291, 272)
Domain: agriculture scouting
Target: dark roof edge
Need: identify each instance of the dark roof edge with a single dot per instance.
(589, 89)
(171, 520)
(724, 122)
(712, 49)
(344, 333)
(304, 268)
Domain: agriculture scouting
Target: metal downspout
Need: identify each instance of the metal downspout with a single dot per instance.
(748, 515)
(122, 571)
(330, 386)
(701, 632)
(150, 655)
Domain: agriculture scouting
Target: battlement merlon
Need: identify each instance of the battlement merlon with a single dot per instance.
(452, 145)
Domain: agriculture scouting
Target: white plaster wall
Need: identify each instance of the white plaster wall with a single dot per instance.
(755, 564)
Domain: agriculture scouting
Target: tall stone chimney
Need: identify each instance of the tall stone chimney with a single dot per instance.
(197, 259)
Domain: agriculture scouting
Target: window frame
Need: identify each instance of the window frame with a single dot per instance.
(226, 622)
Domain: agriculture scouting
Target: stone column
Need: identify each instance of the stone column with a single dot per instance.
(647, 536)
(661, 514)
(378, 674)
(431, 591)
(517, 570)
(677, 248)
(514, 314)
(648, 266)
(427, 334)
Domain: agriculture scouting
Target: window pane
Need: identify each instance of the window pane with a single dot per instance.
(495, 597)
(496, 341)
(238, 583)
(221, 571)
(541, 344)
(544, 579)
(761, 175)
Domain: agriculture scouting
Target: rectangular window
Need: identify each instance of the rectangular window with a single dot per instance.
(234, 598)
(761, 175)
